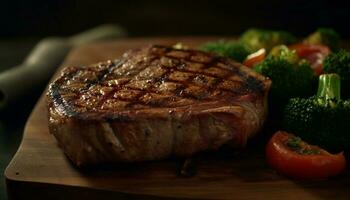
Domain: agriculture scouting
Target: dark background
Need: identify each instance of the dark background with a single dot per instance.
(159, 17)
(23, 23)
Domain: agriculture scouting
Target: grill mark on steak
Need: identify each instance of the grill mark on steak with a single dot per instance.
(177, 70)
(155, 102)
(56, 87)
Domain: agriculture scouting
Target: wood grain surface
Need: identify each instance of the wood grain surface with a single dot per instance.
(40, 170)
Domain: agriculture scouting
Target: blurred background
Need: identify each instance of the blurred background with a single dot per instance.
(21, 18)
(23, 23)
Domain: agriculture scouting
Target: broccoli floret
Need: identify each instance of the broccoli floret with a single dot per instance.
(232, 49)
(322, 119)
(326, 36)
(339, 63)
(288, 79)
(256, 39)
(284, 52)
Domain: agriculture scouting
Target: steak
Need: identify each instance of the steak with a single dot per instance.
(155, 102)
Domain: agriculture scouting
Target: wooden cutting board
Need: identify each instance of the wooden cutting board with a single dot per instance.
(40, 170)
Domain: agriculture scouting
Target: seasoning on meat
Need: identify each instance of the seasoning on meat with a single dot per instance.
(155, 102)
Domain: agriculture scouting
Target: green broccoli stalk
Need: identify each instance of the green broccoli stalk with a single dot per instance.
(290, 78)
(323, 119)
(256, 39)
(328, 89)
(339, 63)
(325, 36)
(232, 49)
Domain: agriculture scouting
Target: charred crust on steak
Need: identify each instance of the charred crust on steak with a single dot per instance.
(155, 102)
(152, 77)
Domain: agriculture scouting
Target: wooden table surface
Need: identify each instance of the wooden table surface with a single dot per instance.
(40, 169)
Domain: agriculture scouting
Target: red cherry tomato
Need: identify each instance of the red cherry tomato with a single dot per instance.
(255, 58)
(294, 158)
(314, 53)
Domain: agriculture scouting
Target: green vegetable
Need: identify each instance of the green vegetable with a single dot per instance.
(324, 119)
(339, 63)
(256, 39)
(326, 36)
(283, 52)
(289, 79)
(296, 144)
(232, 49)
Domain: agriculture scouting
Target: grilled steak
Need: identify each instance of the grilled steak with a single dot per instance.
(155, 102)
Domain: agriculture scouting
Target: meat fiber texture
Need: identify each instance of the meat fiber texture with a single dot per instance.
(153, 103)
